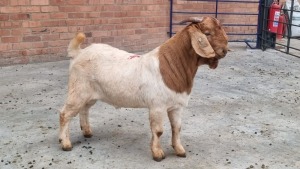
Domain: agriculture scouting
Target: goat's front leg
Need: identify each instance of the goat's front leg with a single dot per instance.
(156, 120)
(175, 120)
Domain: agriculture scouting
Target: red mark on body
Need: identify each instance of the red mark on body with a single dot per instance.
(134, 56)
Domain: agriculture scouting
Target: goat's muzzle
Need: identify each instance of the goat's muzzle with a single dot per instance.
(221, 52)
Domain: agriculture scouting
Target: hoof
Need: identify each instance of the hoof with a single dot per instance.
(66, 145)
(158, 159)
(158, 155)
(88, 135)
(181, 155)
(67, 148)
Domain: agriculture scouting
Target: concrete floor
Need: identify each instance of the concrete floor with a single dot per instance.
(244, 114)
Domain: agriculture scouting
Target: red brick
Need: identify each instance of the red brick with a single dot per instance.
(39, 44)
(77, 2)
(30, 9)
(22, 45)
(15, 9)
(20, 16)
(57, 2)
(87, 9)
(4, 32)
(141, 31)
(39, 2)
(107, 39)
(101, 33)
(4, 17)
(59, 29)
(107, 1)
(67, 36)
(76, 15)
(69, 9)
(59, 15)
(93, 15)
(19, 2)
(94, 2)
(111, 8)
(10, 39)
(40, 16)
(107, 14)
(49, 9)
(58, 43)
(31, 24)
(79, 22)
(76, 28)
(31, 38)
(4, 2)
(20, 31)
(40, 30)
(5, 46)
(32, 52)
(53, 23)
(7, 24)
(50, 37)
(92, 27)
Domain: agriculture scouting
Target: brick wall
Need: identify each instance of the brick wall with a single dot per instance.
(40, 30)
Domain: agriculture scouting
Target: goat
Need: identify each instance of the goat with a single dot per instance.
(160, 80)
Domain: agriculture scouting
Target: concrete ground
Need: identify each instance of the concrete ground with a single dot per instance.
(244, 114)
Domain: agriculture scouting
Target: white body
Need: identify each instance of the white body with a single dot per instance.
(124, 79)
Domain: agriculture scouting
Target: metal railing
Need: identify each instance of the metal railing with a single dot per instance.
(217, 13)
(269, 40)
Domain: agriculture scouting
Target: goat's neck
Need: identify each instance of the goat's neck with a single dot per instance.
(178, 63)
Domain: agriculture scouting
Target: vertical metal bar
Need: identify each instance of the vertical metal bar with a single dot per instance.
(216, 14)
(290, 28)
(171, 19)
(264, 28)
(260, 24)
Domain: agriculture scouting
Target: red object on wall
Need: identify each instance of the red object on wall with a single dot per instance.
(280, 26)
(274, 14)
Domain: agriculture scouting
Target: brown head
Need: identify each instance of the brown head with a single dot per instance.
(208, 38)
(204, 41)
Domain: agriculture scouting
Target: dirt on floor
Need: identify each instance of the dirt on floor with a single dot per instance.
(243, 115)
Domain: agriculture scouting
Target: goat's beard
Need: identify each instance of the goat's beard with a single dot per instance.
(213, 63)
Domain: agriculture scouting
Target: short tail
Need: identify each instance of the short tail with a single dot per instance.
(74, 46)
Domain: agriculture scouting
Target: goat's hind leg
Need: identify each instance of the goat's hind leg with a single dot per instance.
(84, 120)
(68, 112)
(175, 120)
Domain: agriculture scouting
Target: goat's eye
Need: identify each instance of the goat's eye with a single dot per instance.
(207, 33)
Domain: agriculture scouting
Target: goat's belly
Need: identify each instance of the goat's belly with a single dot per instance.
(124, 102)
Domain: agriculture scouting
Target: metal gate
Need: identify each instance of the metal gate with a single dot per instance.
(243, 28)
(245, 21)
(287, 41)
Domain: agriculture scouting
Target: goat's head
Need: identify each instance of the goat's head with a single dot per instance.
(208, 38)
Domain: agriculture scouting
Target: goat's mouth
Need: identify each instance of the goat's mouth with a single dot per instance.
(220, 56)
(221, 53)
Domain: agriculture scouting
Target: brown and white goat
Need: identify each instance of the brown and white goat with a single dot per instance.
(160, 80)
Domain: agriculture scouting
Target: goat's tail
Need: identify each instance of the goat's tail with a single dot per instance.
(74, 46)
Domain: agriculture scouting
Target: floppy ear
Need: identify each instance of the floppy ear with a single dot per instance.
(200, 43)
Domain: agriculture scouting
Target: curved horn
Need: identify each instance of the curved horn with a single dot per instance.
(191, 19)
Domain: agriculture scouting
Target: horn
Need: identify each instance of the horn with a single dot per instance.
(191, 19)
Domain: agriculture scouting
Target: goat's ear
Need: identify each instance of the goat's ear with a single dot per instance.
(200, 43)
